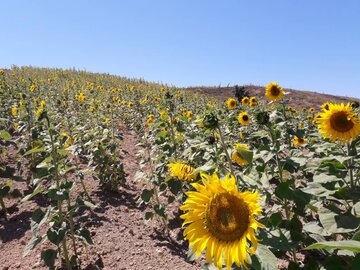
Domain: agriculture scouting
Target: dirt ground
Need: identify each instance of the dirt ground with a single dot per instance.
(122, 239)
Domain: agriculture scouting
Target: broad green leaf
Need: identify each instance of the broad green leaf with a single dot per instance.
(264, 259)
(174, 185)
(350, 245)
(49, 256)
(146, 195)
(334, 223)
(37, 215)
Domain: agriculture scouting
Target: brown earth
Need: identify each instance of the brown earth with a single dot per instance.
(296, 98)
(122, 239)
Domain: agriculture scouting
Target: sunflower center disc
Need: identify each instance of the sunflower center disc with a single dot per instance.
(227, 217)
(245, 118)
(339, 121)
(275, 91)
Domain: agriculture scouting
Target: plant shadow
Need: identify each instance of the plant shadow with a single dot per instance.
(15, 227)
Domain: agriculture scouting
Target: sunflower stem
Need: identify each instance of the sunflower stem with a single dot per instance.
(350, 167)
(157, 197)
(229, 159)
(57, 180)
(3, 207)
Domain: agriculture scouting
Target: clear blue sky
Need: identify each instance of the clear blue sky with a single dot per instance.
(307, 44)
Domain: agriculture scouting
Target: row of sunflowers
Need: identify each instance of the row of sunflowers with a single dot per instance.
(255, 180)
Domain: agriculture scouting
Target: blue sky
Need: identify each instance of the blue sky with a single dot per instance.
(307, 44)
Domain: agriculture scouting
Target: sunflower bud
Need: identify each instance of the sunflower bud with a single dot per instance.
(355, 104)
(168, 95)
(211, 121)
(211, 140)
(262, 118)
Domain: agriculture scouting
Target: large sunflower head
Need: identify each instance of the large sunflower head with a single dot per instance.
(273, 91)
(231, 103)
(181, 171)
(244, 118)
(221, 220)
(339, 123)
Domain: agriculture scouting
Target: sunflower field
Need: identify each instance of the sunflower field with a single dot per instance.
(257, 183)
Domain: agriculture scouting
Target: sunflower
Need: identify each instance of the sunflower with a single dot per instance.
(339, 123)
(245, 101)
(273, 91)
(38, 113)
(298, 141)
(189, 115)
(231, 103)
(236, 155)
(311, 110)
(325, 106)
(150, 119)
(181, 171)
(14, 111)
(221, 220)
(43, 104)
(244, 118)
(253, 101)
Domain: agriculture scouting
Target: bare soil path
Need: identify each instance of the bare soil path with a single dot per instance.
(122, 239)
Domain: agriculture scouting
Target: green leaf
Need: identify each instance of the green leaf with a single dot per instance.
(49, 256)
(35, 150)
(170, 199)
(350, 245)
(149, 215)
(85, 236)
(5, 135)
(146, 195)
(275, 219)
(32, 244)
(356, 236)
(264, 259)
(356, 210)
(334, 223)
(324, 178)
(174, 185)
(160, 210)
(4, 191)
(245, 154)
(81, 202)
(29, 196)
(56, 233)
(37, 215)
(58, 195)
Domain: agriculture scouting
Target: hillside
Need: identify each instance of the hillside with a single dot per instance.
(296, 98)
